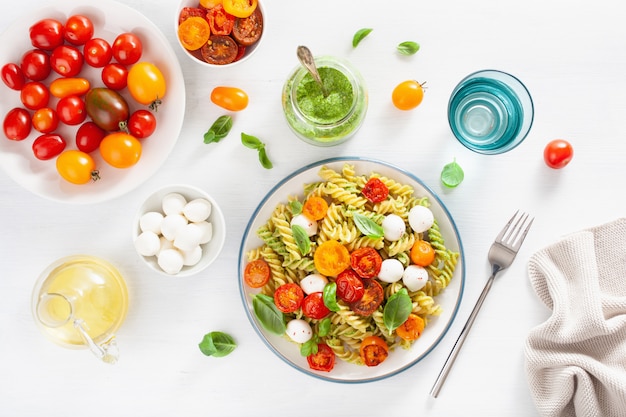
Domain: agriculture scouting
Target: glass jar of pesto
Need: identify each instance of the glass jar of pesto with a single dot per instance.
(325, 120)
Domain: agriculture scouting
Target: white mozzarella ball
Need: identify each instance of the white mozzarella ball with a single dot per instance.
(420, 219)
(173, 203)
(299, 331)
(147, 243)
(391, 270)
(414, 277)
(197, 210)
(188, 237)
(313, 283)
(170, 261)
(172, 224)
(207, 231)
(193, 256)
(393, 227)
(151, 222)
(310, 226)
(164, 244)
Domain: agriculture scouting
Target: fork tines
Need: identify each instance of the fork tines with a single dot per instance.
(515, 230)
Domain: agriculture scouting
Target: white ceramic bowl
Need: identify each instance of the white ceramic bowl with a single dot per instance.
(210, 250)
(196, 57)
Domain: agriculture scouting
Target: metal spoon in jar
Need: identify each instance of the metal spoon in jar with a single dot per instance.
(306, 59)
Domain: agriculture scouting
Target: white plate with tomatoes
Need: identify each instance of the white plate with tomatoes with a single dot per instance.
(21, 158)
(267, 314)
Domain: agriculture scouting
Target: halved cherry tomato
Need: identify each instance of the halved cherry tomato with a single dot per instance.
(89, 136)
(315, 208)
(407, 95)
(209, 4)
(240, 8)
(127, 48)
(76, 167)
(373, 351)
(71, 110)
(412, 328)
(288, 297)
(69, 86)
(220, 22)
(78, 29)
(46, 34)
(35, 65)
(194, 32)
(366, 262)
(558, 153)
(313, 306)
(35, 95)
(230, 98)
(219, 50)
(375, 190)
(257, 273)
(115, 76)
(45, 120)
(373, 296)
(146, 84)
(66, 60)
(48, 146)
(120, 150)
(323, 360)
(248, 30)
(13, 76)
(17, 124)
(187, 12)
(349, 286)
(422, 253)
(141, 123)
(330, 258)
(97, 52)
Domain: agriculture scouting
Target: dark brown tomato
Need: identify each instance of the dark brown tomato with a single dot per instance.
(219, 50)
(106, 108)
(248, 30)
(372, 298)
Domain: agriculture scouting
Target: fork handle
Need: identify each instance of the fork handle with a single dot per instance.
(443, 374)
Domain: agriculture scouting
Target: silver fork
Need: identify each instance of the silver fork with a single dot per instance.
(501, 256)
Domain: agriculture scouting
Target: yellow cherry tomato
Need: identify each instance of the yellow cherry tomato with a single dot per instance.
(120, 150)
(63, 87)
(407, 95)
(240, 8)
(209, 4)
(230, 98)
(146, 84)
(194, 32)
(76, 167)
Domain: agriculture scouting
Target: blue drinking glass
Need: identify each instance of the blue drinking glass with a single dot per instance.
(490, 112)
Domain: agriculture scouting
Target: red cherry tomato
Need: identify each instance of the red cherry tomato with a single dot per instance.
(46, 34)
(323, 360)
(141, 123)
(373, 351)
(48, 146)
(45, 120)
(375, 190)
(78, 29)
(220, 22)
(97, 52)
(13, 76)
(313, 306)
(127, 48)
(349, 286)
(71, 110)
(34, 95)
(66, 60)
(558, 153)
(35, 65)
(114, 76)
(288, 297)
(17, 124)
(372, 298)
(366, 262)
(89, 136)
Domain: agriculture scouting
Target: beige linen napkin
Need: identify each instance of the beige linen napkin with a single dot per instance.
(576, 360)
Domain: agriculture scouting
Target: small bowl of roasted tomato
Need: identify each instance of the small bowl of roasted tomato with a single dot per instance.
(219, 33)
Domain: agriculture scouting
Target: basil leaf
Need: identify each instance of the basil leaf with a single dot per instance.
(408, 47)
(368, 226)
(324, 327)
(330, 296)
(265, 161)
(309, 347)
(219, 129)
(360, 35)
(296, 207)
(452, 174)
(397, 309)
(271, 318)
(301, 238)
(217, 344)
(251, 141)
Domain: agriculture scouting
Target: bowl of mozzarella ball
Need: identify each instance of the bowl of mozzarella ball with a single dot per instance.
(179, 230)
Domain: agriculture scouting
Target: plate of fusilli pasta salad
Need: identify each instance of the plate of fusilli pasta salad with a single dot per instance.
(351, 270)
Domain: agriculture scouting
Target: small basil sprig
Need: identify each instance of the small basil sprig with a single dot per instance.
(219, 129)
(452, 174)
(254, 143)
(302, 238)
(368, 226)
(397, 309)
(296, 207)
(408, 48)
(360, 35)
(217, 344)
(329, 294)
(271, 318)
(310, 347)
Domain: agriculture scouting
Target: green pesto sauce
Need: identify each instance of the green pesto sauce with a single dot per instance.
(329, 109)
